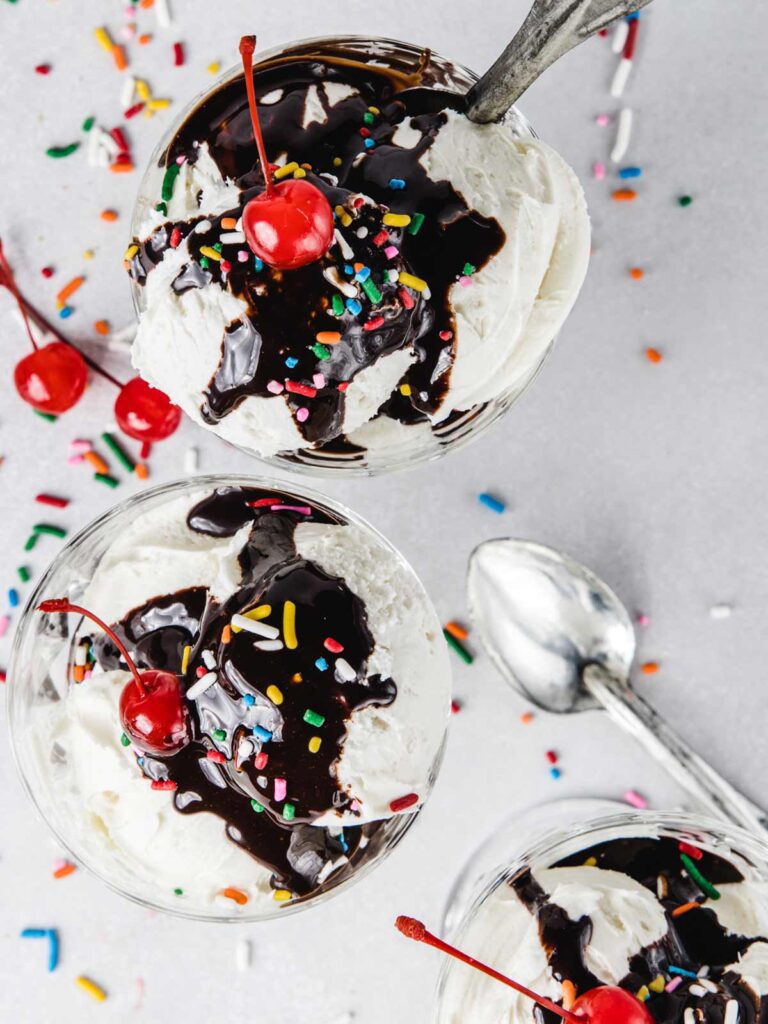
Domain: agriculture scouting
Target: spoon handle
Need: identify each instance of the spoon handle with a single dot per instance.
(710, 789)
(552, 28)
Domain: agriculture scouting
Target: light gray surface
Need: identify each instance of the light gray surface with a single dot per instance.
(652, 475)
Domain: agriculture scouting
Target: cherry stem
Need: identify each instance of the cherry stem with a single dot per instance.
(247, 46)
(61, 604)
(28, 312)
(415, 930)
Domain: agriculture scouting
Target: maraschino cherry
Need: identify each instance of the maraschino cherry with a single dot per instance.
(152, 710)
(607, 1004)
(290, 224)
(144, 412)
(51, 379)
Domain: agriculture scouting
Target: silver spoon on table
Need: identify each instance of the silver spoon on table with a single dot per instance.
(562, 637)
(551, 29)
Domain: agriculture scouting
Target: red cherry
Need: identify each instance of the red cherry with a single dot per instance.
(144, 412)
(52, 378)
(155, 719)
(289, 227)
(611, 1005)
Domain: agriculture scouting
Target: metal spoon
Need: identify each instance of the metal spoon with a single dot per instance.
(560, 636)
(552, 28)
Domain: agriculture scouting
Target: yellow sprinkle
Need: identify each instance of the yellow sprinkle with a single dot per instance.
(281, 895)
(275, 695)
(289, 626)
(590, 862)
(374, 110)
(297, 677)
(262, 611)
(95, 991)
(300, 173)
(88, 254)
(283, 172)
(337, 161)
(314, 744)
(343, 216)
(658, 983)
(396, 220)
(185, 659)
(214, 68)
(143, 90)
(158, 104)
(405, 389)
(104, 39)
(212, 254)
(130, 252)
(410, 281)
(642, 993)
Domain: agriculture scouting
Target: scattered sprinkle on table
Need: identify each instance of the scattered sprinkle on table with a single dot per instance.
(636, 799)
(494, 504)
(649, 668)
(684, 200)
(653, 355)
(91, 988)
(458, 647)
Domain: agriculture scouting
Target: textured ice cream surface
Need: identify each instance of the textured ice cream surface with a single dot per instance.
(172, 579)
(437, 315)
(611, 921)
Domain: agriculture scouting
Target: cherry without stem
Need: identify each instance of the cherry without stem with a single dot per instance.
(145, 413)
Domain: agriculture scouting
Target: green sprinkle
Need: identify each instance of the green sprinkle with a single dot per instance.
(218, 246)
(313, 718)
(338, 304)
(289, 812)
(88, 123)
(368, 117)
(51, 531)
(161, 208)
(31, 541)
(219, 734)
(371, 291)
(462, 652)
(48, 416)
(321, 351)
(204, 262)
(257, 806)
(125, 461)
(23, 572)
(178, 892)
(417, 219)
(169, 180)
(105, 478)
(57, 152)
(685, 200)
(125, 741)
(706, 886)
(468, 270)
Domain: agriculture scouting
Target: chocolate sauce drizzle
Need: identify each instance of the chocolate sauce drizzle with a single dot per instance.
(274, 829)
(694, 940)
(286, 310)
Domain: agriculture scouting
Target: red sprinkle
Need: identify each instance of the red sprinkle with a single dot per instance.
(357, 203)
(215, 755)
(261, 759)
(261, 503)
(120, 139)
(381, 239)
(343, 386)
(445, 335)
(3, 675)
(455, 707)
(300, 389)
(226, 266)
(200, 671)
(43, 69)
(404, 802)
(374, 323)
(332, 645)
(629, 46)
(163, 784)
(365, 132)
(406, 298)
(51, 499)
(47, 271)
(692, 851)
(178, 55)
(551, 757)
(133, 111)
(175, 238)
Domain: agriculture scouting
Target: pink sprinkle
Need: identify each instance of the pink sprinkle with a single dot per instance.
(242, 256)
(75, 460)
(302, 414)
(642, 620)
(598, 171)
(602, 120)
(274, 387)
(281, 789)
(5, 621)
(672, 985)
(261, 760)
(302, 510)
(391, 251)
(465, 282)
(181, 160)
(355, 806)
(318, 380)
(333, 645)
(79, 445)
(127, 32)
(636, 799)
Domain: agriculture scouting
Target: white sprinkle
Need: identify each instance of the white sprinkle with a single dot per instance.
(208, 659)
(261, 781)
(271, 97)
(106, 141)
(191, 460)
(394, 276)
(129, 89)
(698, 991)
(243, 954)
(333, 277)
(329, 867)
(731, 1012)
(721, 611)
(709, 986)
(232, 238)
(346, 248)
(344, 670)
(252, 626)
(204, 683)
(620, 36)
(269, 645)
(703, 971)
(202, 227)
(688, 1016)
(621, 77)
(92, 149)
(163, 13)
(362, 232)
(623, 135)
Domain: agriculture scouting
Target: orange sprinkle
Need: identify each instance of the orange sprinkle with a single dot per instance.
(328, 337)
(456, 630)
(141, 471)
(144, 39)
(64, 870)
(358, 267)
(649, 668)
(69, 289)
(237, 895)
(96, 461)
(118, 55)
(624, 195)
(679, 911)
(226, 635)
(527, 717)
(569, 994)
(78, 673)
(101, 327)
(636, 273)
(228, 223)
(120, 168)
(146, 4)
(109, 215)
(653, 355)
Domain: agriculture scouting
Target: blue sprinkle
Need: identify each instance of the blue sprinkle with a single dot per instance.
(369, 143)
(140, 761)
(322, 664)
(492, 503)
(682, 972)
(258, 264)
(291, 361)
(53, 949)
(34, 933)
(249, 699)
(263, 734)
(354, 307)
(633, 17)
(349, 269)
(396, 183)
(630, 172)
(363, 275)
(555, 773)
(343, 842)
(13, 597)
(66, 312)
